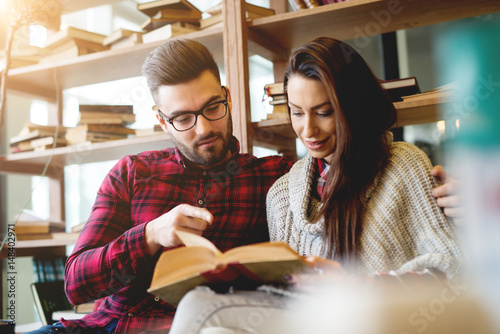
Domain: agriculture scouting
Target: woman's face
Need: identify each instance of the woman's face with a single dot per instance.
(312, 116)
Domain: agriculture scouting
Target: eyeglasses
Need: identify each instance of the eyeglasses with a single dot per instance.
(186, 121)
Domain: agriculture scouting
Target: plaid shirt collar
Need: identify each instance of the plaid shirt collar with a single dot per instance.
(321, 179)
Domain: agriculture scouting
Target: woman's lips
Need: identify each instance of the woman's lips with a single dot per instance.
(315, 145)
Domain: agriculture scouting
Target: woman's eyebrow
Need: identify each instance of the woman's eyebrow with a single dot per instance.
(313, 108)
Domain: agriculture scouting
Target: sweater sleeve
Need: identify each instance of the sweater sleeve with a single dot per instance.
(421, 232)
(277, 204)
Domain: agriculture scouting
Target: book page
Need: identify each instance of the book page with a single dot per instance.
(261, 252)
(190, 239)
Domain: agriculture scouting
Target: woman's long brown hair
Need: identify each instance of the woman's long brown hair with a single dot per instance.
(363, 114)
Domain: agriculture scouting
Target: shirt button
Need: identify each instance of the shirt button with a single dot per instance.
(200, 202)
(130, 314)
(127, 281)
(157, 299)
(205, 173)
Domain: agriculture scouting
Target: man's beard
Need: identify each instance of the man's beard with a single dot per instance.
(207, 157)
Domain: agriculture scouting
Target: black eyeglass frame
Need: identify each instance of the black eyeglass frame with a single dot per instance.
(196, 113)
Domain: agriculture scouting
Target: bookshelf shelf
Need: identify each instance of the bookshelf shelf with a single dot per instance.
(33, 163)
(409, 112)
(54, 246)
(104, 66)
(358, 18)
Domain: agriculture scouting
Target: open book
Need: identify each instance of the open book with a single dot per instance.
(182, 269)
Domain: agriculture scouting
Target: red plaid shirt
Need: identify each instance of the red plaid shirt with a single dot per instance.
(111, 258)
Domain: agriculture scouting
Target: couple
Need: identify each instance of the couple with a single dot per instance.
(377, 193)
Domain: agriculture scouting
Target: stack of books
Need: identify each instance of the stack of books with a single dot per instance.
(304, 4)
(274, 94)
(213, 15)
(447, 91)
(122, 38)
(101, 123)
(168, 18)
(72, 42)
(35, 137)
(397, 88)
(31, 227)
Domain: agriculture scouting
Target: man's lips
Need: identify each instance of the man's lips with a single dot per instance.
(208, 142)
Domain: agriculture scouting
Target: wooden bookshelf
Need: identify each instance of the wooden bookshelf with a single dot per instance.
(358, 18)
(33, 163)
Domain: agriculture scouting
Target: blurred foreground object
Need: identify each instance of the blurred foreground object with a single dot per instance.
(468, 54)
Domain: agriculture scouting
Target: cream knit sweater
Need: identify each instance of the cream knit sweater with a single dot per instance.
(403, 227)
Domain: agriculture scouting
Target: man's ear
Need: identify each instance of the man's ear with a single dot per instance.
(163, 124)
(229, 101)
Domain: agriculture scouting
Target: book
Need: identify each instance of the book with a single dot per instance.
(36, 227)
(153, 24)
(120, 129)
(118, 35)
(129, 41)
(81, 134)
(200, 262)
(71, 49)
(153, 7)
(448, 90)
(49, 297)
(252, 11)
(31, 131)
(280, 111)
(297, 5)
(85, 308)
(275, 88)
(211, 21)
(312, 3)
(105, 118)
(398, 88)
(117, 108)
(166, 32)
(37, 143)
(178, 15)
(70, 33)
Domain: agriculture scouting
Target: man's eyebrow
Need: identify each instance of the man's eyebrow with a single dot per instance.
(181, 112)
(313, 108)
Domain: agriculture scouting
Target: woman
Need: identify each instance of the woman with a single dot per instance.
(373, 208)
(357, 198)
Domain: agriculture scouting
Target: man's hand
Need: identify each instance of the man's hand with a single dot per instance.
(160, 232)
(446, 194)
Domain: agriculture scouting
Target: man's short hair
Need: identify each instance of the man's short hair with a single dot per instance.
(177, 61)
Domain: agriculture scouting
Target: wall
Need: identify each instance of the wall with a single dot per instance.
(15, 192)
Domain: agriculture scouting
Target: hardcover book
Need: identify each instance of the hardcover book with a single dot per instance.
(180, 270)
(153, 7)
(400, 87)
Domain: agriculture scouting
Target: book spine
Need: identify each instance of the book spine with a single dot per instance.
(297, 5)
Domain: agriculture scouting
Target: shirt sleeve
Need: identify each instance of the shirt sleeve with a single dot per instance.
(110, 250)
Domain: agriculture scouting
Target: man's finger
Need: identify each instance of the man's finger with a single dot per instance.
(195, 212)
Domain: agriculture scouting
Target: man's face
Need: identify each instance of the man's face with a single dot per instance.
(207, 143)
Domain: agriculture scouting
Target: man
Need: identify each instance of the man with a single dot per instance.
(203, 185)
